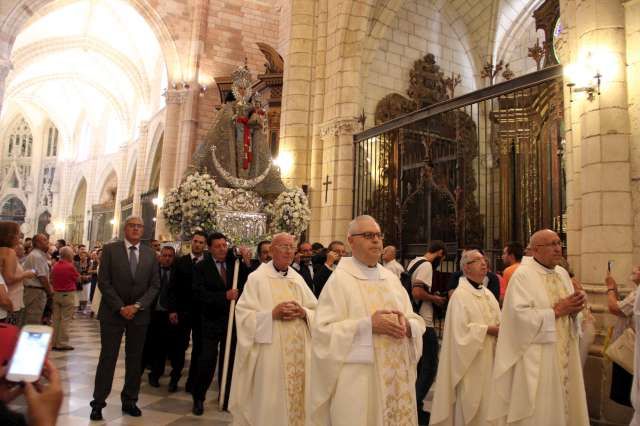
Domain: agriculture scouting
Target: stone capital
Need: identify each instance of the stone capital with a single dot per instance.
(347, 126)
(176, 96)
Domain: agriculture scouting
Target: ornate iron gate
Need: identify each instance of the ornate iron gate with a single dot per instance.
(484, 168)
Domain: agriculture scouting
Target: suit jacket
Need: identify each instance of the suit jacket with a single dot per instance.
(210, 290)
(320, 278)
(305, 273)
(181, 292)
(120, 288)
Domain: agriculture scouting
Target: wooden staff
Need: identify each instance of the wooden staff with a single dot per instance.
(227, 346)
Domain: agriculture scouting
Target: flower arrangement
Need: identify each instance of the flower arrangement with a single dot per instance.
(290, 212)
(192, 205)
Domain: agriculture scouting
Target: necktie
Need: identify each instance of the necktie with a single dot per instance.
(133, 260)
(223, 273)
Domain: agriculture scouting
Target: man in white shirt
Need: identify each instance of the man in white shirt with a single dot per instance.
(36, 289)
(421, 280)
(389, 260)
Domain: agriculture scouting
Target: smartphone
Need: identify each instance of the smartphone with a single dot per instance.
(31, 351)
(609, 265)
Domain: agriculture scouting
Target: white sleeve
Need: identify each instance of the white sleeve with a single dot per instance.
(362, 346)
(264, 327)
(547, 333)
(424, 274)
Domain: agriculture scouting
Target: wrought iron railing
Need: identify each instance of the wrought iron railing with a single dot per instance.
(480, 169)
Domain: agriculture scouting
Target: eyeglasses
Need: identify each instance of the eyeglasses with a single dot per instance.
(135, 225)
(369, 235)
(551, 244)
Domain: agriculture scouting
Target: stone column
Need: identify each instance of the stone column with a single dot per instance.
(121, 190)
(143, 143)
(632, 27)
(604, 142)
(168, 159)
(336, 211)
(297, 99)
(5, 67)
(188, 127)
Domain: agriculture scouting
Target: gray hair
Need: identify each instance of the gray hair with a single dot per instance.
(467, 258)
(132, 218)
(66, 252)
(281, 235)
(353, 225)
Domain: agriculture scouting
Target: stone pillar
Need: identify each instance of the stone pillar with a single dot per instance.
(143, 143)
(336, 211)
(299, 75)
(632, 27)
(168, 159)
(188, 127)
(5, 67)
(605, 164)
(121, 190)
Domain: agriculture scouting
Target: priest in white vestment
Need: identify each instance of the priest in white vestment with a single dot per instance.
(463, 383)
(537, 373)
(270, 384)
(366, 341)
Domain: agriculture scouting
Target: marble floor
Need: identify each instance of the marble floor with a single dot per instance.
(159, 407)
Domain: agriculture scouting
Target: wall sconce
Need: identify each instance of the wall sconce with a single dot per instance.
(587, 75)
(157, 201)
(203, 89)
(154, 219)
(112, 221)
(284, 162)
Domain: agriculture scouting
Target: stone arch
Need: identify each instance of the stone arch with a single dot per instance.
(107, 186)
(27, 11)
(154, 153)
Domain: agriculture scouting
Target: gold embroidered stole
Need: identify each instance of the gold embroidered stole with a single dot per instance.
(292, 343)
(556, 291)
(392, 359)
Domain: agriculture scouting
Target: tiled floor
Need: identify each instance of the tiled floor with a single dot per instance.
(78, 367)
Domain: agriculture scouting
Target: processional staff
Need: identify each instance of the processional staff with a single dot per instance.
(227, 346)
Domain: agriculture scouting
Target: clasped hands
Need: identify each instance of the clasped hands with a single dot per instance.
(570, 305)
(288, 311)
(129, 311)
(390, 322)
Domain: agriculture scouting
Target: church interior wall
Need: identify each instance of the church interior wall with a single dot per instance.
(416, 30)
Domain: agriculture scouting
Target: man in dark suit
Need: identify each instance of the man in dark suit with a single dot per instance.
(263, 255)
(213, 280)
(335, 252)
(129, 282)
(303, 266)
(184, 312)
(160, 341)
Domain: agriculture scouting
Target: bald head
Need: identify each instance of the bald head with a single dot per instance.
(546, 248)
(282, 250)
(388, 253)
(66, 253)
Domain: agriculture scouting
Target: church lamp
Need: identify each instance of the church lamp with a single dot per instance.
(589, 72)
(157, 201)
(285, 162)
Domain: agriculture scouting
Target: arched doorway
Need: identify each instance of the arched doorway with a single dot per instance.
(75, 222)
(14, 210)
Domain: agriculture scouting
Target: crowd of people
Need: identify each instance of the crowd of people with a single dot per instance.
(322, 336)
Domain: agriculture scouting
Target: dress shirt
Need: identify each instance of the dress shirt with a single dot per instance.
(127, 244)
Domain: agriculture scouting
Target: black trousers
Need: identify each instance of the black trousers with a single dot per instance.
(428, 365)
(110, 338)
(164, 340)
(212, 354)
(196, 348)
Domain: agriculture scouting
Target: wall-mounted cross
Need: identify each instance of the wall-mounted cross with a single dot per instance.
(326, 184)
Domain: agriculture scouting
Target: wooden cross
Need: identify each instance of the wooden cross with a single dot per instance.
(326, 184)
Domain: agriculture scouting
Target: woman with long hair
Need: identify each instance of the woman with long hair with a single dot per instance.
(12, 274)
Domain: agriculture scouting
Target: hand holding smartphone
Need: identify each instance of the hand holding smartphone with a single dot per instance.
(30, 354)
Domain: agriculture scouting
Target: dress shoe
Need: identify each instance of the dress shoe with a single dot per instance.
(153, 381)
(132, 410)
(173, 386)
(198, 408)
(96, 414)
